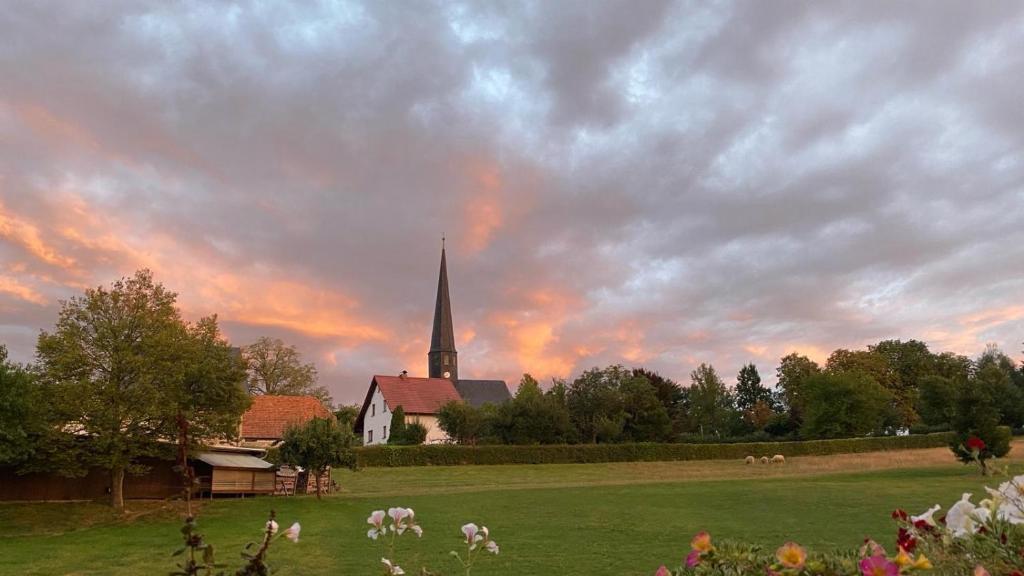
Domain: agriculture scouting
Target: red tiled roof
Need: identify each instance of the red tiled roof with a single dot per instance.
(270, 416)
(416, 395)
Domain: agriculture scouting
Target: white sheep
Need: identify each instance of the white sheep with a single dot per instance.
(778, 459)
(764, 459)
(749, 460)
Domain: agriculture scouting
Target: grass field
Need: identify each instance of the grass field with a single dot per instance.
(622, 518)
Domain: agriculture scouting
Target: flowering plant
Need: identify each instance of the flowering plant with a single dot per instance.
(255, 560)
(402, 520)
(477, 539)
(981, 539)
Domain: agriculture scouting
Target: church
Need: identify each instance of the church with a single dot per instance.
(421, 398)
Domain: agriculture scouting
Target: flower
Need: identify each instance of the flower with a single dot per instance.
(899, 514)
(975, 444)
(878, 566)
(702, 543)
(922, 563)
(1008, 500)
(491, 546)
(964, 517)
(292, 533)
(398, 519)
(903, 559)
(376, 520)
(271, 527)
(693, 558)
(979, 570)
(871, 548)
(394, 569)
(791, 555)
(926, 519)
(410, 522)
(662, 571)
(906, 540)
(473, 536)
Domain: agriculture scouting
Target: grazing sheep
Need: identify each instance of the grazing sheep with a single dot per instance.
(764, 459)
(749, 460)
(778, 459)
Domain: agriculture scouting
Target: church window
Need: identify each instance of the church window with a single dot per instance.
(446, 360)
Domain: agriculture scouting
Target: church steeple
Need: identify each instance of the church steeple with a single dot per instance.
(442, 358)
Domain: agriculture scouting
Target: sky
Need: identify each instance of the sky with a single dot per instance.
(649, 183)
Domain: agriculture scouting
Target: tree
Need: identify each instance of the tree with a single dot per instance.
(347, 415)
(936, 401)
(532, 417)
(23, 421)
(877, 366)
(793, 371)
(646, 418)
(976, 419)
(107, 366)
(209, 398)
(461, 422)
(749, 390)
(711, 408)
(845, 405)
(595, 404)
(669, 393)
(402, 433)
(275, 368)
(316, 446)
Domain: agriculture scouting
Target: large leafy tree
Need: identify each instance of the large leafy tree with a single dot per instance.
(316, 446)
(461, 422)
(532, 417)
(844, 405)
(936, 402)
(669, 393)
(112, 354)
(711, 406)
(23, 418)
(595, 403)
(793, 372)
(277, 368)
(749, 390)
(646, 417)
(124, 373)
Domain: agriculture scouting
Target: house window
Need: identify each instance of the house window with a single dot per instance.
(373, 409)
(385, 436)
(369, 436)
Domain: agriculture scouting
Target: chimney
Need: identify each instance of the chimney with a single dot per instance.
(404, 374)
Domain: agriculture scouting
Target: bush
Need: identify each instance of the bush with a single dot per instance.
(455, 455)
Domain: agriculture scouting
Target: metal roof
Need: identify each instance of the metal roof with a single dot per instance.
(223, 460)
(480, 392)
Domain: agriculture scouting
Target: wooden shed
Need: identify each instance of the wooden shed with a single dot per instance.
(233, 473)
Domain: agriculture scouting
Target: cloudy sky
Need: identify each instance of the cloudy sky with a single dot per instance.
(649, 183)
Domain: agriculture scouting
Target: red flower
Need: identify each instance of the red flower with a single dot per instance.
(905, 540)
(899, 514)
(975, 444)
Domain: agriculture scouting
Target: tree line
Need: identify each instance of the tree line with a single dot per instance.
(888, 388)
(123, 378)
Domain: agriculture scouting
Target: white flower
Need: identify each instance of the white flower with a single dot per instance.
(272, 526)
(392, 568)
(376, 519)
(1008, 500)
(963, 518)
(926, 517)
(292, 533)
(491, 546)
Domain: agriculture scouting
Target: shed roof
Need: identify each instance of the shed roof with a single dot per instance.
(228, 460)
(479, 392)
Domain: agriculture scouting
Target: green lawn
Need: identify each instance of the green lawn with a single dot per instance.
(571, 519)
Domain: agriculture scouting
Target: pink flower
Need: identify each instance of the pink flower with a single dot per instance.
(376, 520)
(975, 444)
(878, 566)
(979, 570)
(292, 533)
(662, 571)
(693, 558)
(702, 542)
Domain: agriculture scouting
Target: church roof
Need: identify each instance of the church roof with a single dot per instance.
(269, 416)
(414, 395)
(480, 392)
(442, 339)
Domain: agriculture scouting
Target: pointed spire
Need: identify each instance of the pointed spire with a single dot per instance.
(443, 337)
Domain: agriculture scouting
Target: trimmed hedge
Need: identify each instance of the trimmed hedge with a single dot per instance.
(455, 455)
